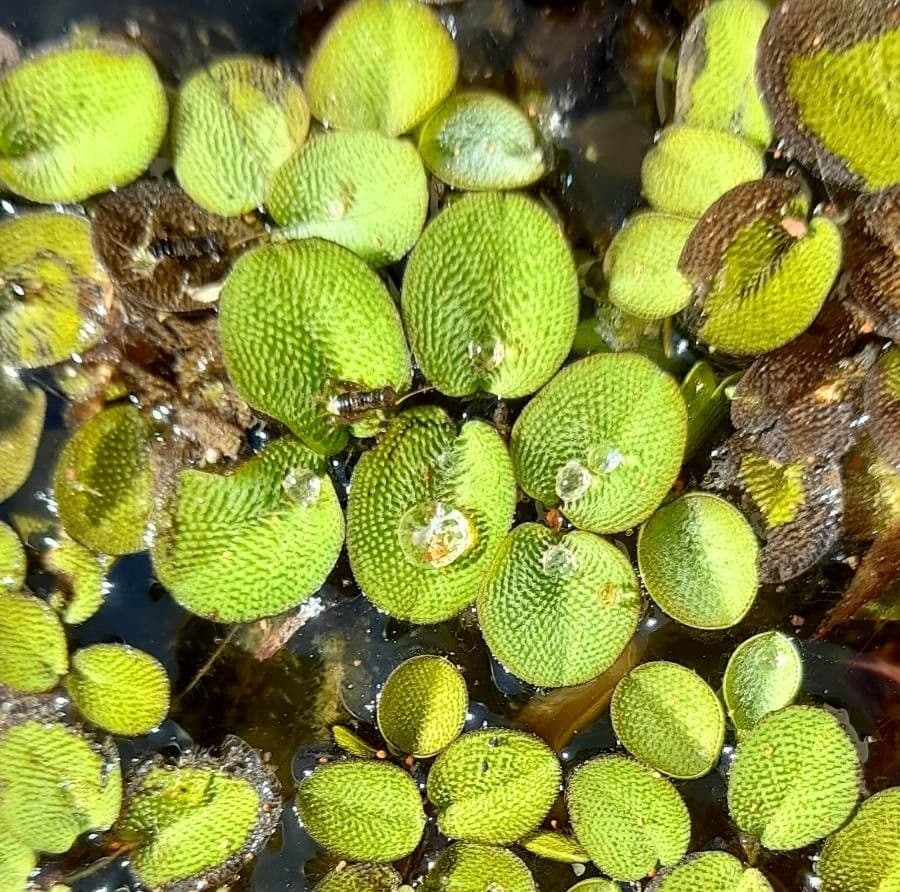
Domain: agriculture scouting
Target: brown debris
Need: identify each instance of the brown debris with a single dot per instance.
(162, 250)
(882, 406)
(879, 568)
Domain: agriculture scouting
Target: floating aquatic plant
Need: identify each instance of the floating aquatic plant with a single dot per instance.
(53, 292)
(809, 53)
(428, 508)
(17, 860)
(234, 124)
(363, 190)
(480, 141)
(697, 556)
(871, 493)
(78, 118)
(55, 782)
(795, 778)
(21, 422)
(290, 318)
(12, 560)
(423, 705)
(216, 534)
(707, 399)
(381, 65)
(882, 406)
(104, 481)
(667, 716)
(493, 786)
(557, 609)
(81, 578)
(360, 878)
(595, 884)
(488, 272)
(641, 265)
(690, 167)
(711, 872)
(470, 867)
(603, 440)
(352, 744)
(865, 855)
(33, 652)
(872, 238)
(763, 675)
(362, 810)
(119, 688)
(555, 845)
(196, 822)
(630, 819)
(760, 272)
(161, 249)
(716, 79)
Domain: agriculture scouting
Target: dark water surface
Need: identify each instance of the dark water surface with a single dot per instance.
(590, 71)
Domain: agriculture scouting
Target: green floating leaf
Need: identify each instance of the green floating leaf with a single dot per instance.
(698, 558)
(882, 406)
(422, 707)
(21, 423)
(104, 482)
(196, 823)
(352, 744)
(595, 884)
(493, 786)
(795, 778)
(557, 609)
(761, 273)
(488, 272)
(604, 440)
(254, 542)
(33, 653)
(690, 167)
(362, 810)
(763, 675)
(864, 856)
(667, 716)
(554, 845)
(234, 124)
(470, 867)
(707, 400)
(711, 872)
(81, 579)
(79, 118)
(119, 688)
(290, 319)
(360, 878)
(641, 265)
(56, 783)
(381, 65)
(478, 140)
(827, 76)
(428, 508)
(716, 79)
(12, 560)
(362, 190)
(162, 250)
(629, 818)
(17, 860)
(53, 293)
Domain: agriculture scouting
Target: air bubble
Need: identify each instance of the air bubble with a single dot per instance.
(559, 562)
(572, 481)
(434, 534)
(302, 486)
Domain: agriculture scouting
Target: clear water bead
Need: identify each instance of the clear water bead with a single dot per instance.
(487, 354)
(302, 486)
(434, 534)
(559, 562)
(573, 480)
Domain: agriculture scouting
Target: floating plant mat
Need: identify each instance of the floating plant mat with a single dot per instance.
(450, 447)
